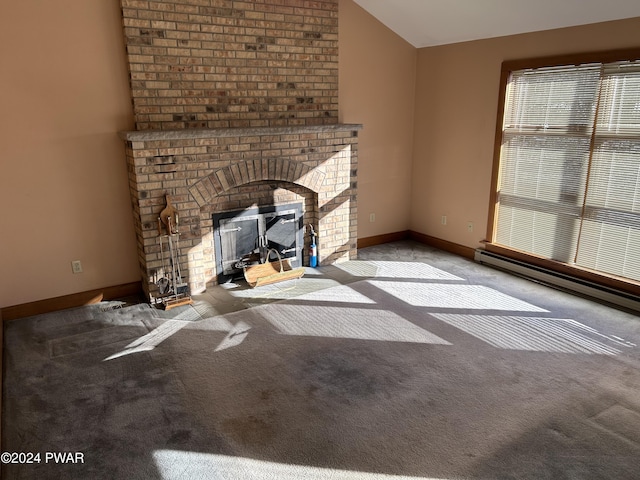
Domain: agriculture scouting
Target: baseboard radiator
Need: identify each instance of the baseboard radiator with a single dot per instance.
(559, 280)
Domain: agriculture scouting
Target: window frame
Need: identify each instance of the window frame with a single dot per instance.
(610, 281)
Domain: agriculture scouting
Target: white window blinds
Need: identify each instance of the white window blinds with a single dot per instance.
(569, 181)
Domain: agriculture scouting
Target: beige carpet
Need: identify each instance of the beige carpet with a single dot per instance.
(424, 367)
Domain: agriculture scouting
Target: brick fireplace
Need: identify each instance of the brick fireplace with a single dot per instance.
(236, 107)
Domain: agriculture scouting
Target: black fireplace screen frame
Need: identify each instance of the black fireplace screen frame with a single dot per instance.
(254, 230)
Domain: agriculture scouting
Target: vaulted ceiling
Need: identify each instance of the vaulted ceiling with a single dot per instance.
(425, 23)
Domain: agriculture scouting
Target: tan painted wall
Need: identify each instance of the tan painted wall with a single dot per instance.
(64, 95)
(376, 88)
(456, 116)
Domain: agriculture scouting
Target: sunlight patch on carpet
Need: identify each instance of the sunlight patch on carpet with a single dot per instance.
(532, 333)
(173, 464)
(392, 269)
(235, 337)
(454, 296)
(417, 270)
(152, 339)
(355, 323)
(283, 290)
(341, 294)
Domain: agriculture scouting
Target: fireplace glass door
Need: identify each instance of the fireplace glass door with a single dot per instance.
(281, 232)
(244, 237)
(239, 236)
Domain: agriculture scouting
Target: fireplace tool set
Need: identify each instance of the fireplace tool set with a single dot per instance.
(174, 292)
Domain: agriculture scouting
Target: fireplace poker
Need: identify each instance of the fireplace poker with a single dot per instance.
(171, 257)
(179, 287)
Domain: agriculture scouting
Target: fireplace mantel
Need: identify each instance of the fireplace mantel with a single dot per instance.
(194, 133)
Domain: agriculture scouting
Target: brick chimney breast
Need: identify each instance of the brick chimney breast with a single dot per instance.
(220, 64)
(236, 107)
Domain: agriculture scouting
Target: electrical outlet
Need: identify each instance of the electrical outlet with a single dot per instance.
(470, 227)
(372, 217)
(444, 220)
(76, 266)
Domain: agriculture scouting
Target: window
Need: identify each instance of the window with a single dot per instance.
(567, 171)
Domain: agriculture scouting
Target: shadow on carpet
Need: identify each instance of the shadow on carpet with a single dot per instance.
(427, 377)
